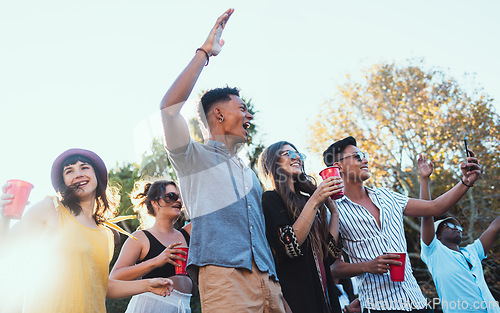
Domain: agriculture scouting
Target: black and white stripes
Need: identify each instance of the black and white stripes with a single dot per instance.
(364, 240)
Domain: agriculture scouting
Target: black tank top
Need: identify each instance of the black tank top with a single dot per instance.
(155, 248)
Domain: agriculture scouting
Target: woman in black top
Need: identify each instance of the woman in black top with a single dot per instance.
(153, 254)
(303, 238)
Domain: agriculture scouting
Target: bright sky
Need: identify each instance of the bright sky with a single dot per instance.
(90, 73)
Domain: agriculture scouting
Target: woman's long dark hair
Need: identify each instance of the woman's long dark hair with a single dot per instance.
(107, 198)
(144, 193)
(294, 199)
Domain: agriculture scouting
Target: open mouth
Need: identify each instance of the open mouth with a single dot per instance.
(245, 127)
(295, 164)
(177, 206)
(81, 184)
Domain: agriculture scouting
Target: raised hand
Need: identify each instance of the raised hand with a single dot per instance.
(471, 170)
(169, 255)
(5, 198)
(328, 187)
(424, 167)
(214, 43)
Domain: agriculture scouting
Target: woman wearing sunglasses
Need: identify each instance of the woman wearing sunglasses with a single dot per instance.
(154, 253)
(61, 248)
(302, 229)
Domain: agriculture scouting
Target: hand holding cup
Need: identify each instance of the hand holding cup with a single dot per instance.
(170, 255)
(181, 262)
(14, 198)
(5, 198)
(333, 171)
(397, 272)
(381, 264)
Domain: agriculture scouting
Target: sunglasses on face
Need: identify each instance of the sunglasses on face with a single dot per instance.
(169, 197)
(359, 156)
(293, 154)
(453, 226)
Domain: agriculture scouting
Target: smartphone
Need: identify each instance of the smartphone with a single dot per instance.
(467, 154)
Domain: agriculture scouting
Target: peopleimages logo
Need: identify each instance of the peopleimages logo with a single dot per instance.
(402, 304)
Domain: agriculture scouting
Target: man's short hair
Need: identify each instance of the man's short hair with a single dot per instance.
(332, 154)
(213, 96)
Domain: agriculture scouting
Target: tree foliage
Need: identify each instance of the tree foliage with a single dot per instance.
(397, 111)
(125, 177)
(155, 163)
(254, 143)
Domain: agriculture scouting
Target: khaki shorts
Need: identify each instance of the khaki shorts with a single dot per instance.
(226, 289)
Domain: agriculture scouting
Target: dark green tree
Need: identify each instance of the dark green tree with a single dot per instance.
(125, 177)
(255, 145)
(155, 163)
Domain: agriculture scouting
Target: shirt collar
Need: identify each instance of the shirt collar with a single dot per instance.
(219, 146)
(371, 191)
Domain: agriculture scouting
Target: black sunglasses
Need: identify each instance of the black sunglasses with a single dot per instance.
(359, 156)
(169, 197)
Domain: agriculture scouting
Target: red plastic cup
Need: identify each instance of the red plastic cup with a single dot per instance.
(181, 270)
(332, 171)
(21, 191)
(398, 272)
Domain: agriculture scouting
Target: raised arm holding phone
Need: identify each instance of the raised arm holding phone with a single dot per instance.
(371, 223)
(457, 272)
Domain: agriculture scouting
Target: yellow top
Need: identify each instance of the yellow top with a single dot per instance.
(79, 259)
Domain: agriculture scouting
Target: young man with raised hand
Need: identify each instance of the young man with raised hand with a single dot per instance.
(229, 254)
(371, 224)
(457, 272)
